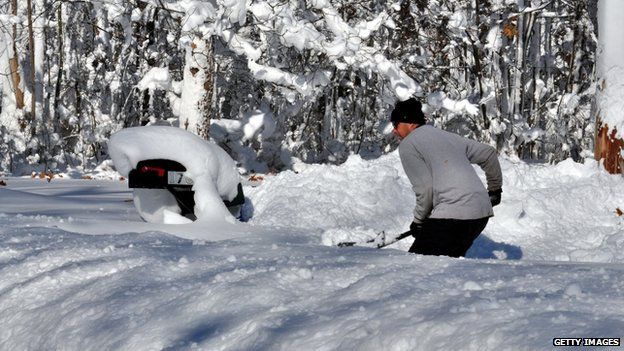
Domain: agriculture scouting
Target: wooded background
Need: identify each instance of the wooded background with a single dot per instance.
(74, 72)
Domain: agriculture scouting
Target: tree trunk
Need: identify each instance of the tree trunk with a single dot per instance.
(61, 59)
(14, 64)
(31, 48)
(518, 86)
(198, 88)
(203, 129)
(609, 148)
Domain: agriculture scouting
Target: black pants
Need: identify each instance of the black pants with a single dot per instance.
(448, 237)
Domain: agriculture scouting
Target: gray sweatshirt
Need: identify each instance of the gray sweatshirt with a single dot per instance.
(438, 164)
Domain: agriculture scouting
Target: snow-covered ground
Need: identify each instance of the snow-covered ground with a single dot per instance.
(80, 270)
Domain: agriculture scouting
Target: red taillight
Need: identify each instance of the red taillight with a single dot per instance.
(148, 169)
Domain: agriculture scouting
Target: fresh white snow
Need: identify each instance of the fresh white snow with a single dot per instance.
(156, 78)
(548, 265)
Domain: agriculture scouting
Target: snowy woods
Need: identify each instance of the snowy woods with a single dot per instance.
(275, 81)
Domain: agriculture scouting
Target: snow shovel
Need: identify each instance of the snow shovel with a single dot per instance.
(381, 240)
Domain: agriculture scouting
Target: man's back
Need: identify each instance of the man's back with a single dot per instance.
(438, 165)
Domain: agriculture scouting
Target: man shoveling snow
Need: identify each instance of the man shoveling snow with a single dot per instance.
(452, 205)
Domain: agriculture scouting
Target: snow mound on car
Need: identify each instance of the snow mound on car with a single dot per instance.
(213, 171)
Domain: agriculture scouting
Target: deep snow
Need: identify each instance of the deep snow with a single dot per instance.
(548, 265)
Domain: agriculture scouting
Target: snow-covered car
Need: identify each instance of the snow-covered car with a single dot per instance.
(176, 176)
(170, 175)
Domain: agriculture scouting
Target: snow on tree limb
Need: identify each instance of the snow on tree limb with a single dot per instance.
(346, 47)
(156, 78)
(343, 44)
(438, 100)
(303, 84)
(240, 45)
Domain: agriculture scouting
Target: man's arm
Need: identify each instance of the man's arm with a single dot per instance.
(419, 175)
(485, 156)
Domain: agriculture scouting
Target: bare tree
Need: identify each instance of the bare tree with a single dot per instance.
(14, 63)
(31, 48)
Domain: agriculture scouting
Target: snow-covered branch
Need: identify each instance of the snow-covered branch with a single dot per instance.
(329, 34)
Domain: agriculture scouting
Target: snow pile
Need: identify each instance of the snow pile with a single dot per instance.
(572, 204)
(212, 170)
(358, 193)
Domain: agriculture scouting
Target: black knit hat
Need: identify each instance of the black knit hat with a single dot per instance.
(408, 111)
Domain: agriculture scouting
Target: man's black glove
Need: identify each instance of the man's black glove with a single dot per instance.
(416, 229)
(495, 196)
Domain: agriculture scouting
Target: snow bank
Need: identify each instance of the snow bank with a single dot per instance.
(359, 193)
(574, 205)
(213, 171)
(571, 204)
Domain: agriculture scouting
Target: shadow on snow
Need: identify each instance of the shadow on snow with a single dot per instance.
(485, 248)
